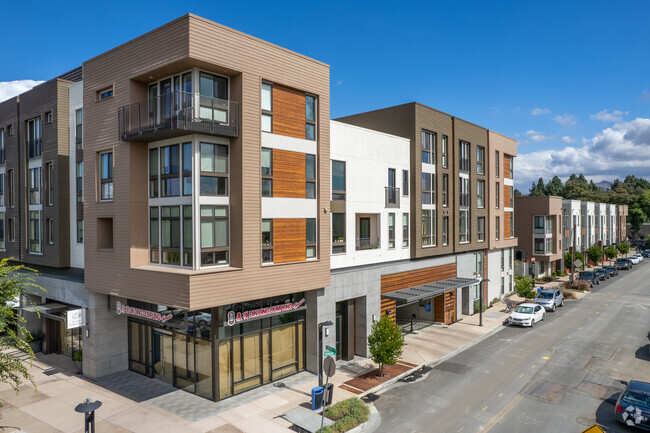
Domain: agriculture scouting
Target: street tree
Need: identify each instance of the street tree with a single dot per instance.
(636, 217)
(623, 248)
(524, 287)
(611, 252)
(385, 342)
(595, 253)
(16, 281)
(567, 259)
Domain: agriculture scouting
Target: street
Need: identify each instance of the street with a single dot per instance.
(559, 376)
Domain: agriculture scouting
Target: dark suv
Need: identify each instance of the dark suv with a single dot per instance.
(623, 263)
(612, 270)
(602, 273)
(589, 277)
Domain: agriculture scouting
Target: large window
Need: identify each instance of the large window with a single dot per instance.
(338, 233)
(480, 160)
(428, 147)
(480, 194)
(539, 246)
(170, 183)
(338, 180)
(80, 231)
(464, 226)
(539, 225)
(405, 230)
(464, 191)
(214, 96)
(214, 169)
(512, 197)
(34, 144)
(35, 232)
(35, 185)
(267, 107)
(428, 227)
(267, 172)
(391, 230)
(311, 238)
(464, 156)
(480, 232)
(428, 188)
(214, 235)
(106, 175)
(267, 241)
(310, 176)
(512, 161)
(310, 117)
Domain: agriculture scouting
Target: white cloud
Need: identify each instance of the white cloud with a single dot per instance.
(537, 136)
(604, 116)
(9, 89)
(565, 119)
(612, 153)
(567, 139)
(537, 111)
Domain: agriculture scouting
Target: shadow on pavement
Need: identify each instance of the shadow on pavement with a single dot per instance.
(643, 353)
(605, 416)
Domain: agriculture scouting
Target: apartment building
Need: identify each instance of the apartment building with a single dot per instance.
(453, 175)
(621, 222)
(589, 223)
(539, 230)
(572, 229)
(190, 180)
(612, 234)
(600, 212)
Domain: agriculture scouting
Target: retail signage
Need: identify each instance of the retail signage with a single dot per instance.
(234, 318)
(137, 312)
(76, 318)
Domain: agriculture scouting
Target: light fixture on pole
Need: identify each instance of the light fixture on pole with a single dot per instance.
(88, 408)
(480, 297)
(320, 349)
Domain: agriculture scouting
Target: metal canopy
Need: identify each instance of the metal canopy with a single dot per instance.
(46, 308)
(429, 290)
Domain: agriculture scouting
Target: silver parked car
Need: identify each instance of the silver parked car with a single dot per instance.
(550, 299)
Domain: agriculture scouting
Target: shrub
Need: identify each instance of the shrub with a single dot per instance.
(524, 287)
(568, 294)
(78, 356)
(34, 338)
(495, 301)
(346, 414)
(477, 305)
(548, 278)
(577, 285)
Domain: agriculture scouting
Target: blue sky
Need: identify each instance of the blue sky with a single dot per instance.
(570, 80)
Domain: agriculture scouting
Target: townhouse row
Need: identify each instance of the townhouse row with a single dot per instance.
(198, 218)
(548, 227)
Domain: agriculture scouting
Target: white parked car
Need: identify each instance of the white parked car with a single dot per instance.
(638, 256)
(635, 260)
(527, 315)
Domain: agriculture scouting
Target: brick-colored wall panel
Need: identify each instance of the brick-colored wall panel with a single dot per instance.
(288, 174)
(450, 307)
(506, 166)
(389, 304)
(506, 196)
(289, 240)
(507, 216)
(404, 280)
(288, 112)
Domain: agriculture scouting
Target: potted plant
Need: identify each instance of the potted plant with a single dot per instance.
(34, 341)
(78, 358)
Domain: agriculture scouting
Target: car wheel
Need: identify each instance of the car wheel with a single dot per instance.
(543, 316)
(562, 303)
(532, 322)
(553, 309)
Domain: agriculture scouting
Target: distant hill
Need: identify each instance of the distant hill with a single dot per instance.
(604, 185)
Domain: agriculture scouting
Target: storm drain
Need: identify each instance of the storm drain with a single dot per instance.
(547, 391)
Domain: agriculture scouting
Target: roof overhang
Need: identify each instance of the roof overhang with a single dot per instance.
(429, 290)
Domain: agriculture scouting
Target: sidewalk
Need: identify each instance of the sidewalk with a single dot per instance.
(134, 403)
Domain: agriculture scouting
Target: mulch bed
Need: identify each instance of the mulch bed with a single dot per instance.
(371, 379)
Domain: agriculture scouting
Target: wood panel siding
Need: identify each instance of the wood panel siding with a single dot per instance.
(439, 308)
(507, 200)
(288, 111)
(389, 304)
(288, 174)
(450, 307)
(507, 216)
(506, 166)
(187, 42)
(289, 240)
(404, 280)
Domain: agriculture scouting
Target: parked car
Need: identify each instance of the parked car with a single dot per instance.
(588, 276)
(634, 260)
(550, 299)
(623, 263)
(633, 405)
(527, 315)
(612, 270)
(638, 256)
(645, 253)
(602, 274)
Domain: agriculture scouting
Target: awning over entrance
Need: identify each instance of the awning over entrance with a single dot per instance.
(413, 294)
(45, 308)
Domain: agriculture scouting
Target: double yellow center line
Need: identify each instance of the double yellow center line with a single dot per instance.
(501, 414)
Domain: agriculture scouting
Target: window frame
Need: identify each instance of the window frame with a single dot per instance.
(445, 230)
(496, 168)
(215, 249)
(104, 179)
(429, 192)
(445, 190)
(49, 176)
(497, 195)
(464, 233)
(267, 178)
(431, 231)
(220, 176)
(444, 143)
(267, 247)
(405, 182)
(480, 160)
(430, 151)
(309, 245)
(498, 227)
(34, 138)
(310, 182)
(35, 175)
(338, 194)
(35, 237)
(311, 122)
(105, 93)
(480, 193)
(480, 229)
(268, 113)
(391, 230)
(2, 147)
(78, 119)
(339, 245)
(405, 230)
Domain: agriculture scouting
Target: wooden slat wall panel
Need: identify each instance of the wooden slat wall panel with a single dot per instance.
(506, 196)
(506, 166)
(288, 112)
(389, 304)
(403, 280)
(506, 224)
(439, 308)
(288, 174)
(450, 307)
(289, 240)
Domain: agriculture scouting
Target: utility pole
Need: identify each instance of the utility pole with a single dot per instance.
(573, 252)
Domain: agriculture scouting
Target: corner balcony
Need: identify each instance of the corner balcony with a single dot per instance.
(176, 114)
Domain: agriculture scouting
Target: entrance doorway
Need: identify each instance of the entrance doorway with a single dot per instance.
(162, 356)
(344, 330)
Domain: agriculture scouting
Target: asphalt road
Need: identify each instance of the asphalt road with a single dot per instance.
(559, 376)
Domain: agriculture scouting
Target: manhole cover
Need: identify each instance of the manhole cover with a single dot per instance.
(585, 421)
(551, 392)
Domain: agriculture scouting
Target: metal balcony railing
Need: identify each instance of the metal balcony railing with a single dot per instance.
(464, 164)
(367, 243)
(392, 196)
(177, 113)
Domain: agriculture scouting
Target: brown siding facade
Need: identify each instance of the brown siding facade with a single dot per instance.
(404, 280)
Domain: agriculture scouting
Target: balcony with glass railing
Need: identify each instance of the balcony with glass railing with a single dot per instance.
(392, 196)
(178, 113)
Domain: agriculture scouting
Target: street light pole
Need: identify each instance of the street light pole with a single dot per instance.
(480, 297)
(320, 350)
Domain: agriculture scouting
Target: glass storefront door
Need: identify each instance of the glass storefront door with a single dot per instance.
(162, 355)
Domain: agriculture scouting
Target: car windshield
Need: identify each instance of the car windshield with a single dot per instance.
(639, 398)
(600, 270)
(621, 260)
(545, 295)
(584, 274)
(524, 310)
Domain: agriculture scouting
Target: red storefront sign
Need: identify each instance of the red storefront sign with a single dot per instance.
(234, 318)
(137, 312)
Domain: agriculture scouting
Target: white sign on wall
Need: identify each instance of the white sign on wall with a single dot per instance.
(76, 318)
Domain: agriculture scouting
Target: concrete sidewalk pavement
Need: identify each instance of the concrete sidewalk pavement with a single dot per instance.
(60, 389)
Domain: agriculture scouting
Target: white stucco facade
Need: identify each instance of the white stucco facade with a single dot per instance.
(500, 272)
(588, 223)
(572, 220)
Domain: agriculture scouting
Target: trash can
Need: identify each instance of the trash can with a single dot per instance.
(317, 398)
(330, 392)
